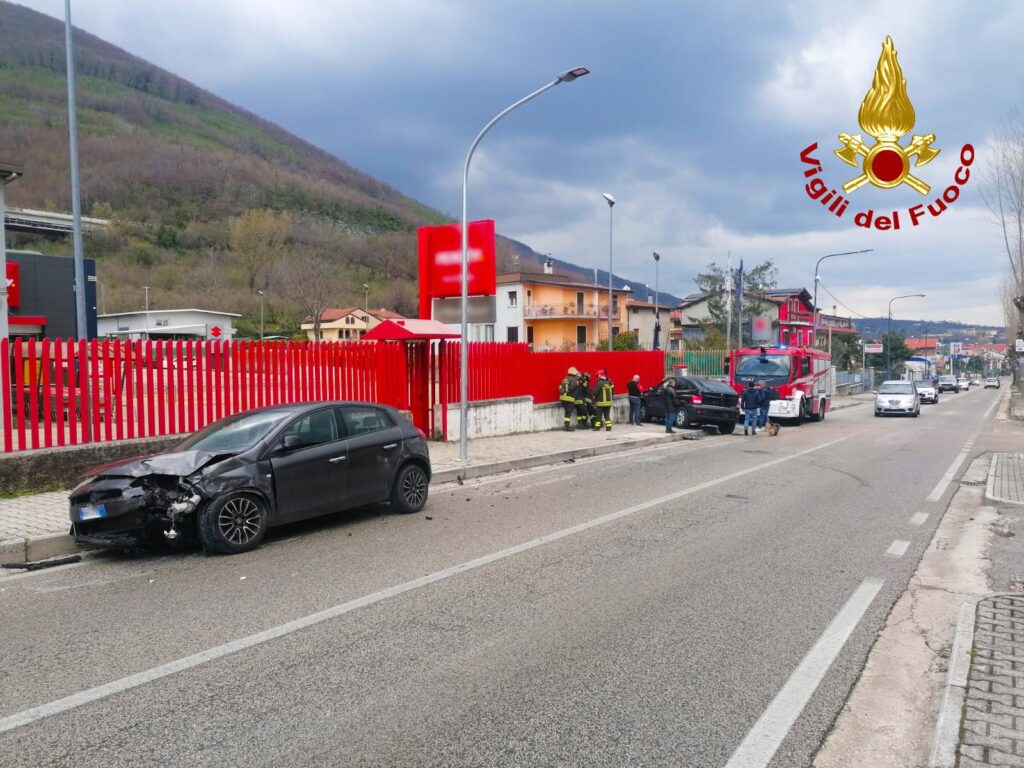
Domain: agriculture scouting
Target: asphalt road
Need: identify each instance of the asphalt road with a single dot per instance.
(666, 606)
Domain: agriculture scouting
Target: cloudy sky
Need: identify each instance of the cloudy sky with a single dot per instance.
(693, 118)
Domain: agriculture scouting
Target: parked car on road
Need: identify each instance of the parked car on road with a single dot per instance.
(992, 382)
(926, 391)
(702, 402)
(230, 482)
(897, 397)
(948, 384)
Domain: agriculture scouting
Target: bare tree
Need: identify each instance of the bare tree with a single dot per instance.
(258, 237)
(312, 280)
(1003, 192)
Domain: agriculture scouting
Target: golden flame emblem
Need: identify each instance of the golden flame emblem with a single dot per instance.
(887, 114)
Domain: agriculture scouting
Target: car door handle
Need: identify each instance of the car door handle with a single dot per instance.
(389, 446)
(337, 459)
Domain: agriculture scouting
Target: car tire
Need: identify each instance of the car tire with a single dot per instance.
(916, 413)
(820, 415)
(726, 427)
(232, 524)
(644, 415)
(878, 414)
(409, 493)
(683, 420)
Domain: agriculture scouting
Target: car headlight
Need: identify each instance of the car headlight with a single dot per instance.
(84, 481)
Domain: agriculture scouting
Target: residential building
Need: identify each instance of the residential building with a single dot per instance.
(347, 323)
(791, 311)
(186, 324)
(641, 319)
(555, 312)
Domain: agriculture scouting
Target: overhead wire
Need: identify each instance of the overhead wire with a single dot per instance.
(837, 301)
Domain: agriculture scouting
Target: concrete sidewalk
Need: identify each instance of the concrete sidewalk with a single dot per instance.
(33, 527)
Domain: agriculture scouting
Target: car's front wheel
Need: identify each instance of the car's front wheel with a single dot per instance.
(233, 523)
(644, 415)
(409, 493)
(683, 420)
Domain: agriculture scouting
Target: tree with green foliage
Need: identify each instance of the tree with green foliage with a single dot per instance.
(846, 350)
(258, 237)
(717, 282)
(626, 341)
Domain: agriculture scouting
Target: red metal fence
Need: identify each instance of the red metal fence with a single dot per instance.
(73, 392)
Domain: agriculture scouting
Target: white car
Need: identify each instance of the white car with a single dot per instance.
(926, 391)
(992, 381)
(964, 382)
(897, 397)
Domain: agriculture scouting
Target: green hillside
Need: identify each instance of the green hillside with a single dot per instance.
(211, 202)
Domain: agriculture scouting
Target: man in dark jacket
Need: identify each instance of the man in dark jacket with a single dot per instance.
(589, 414)
(670, 402)
(750, 402)
(635, 399)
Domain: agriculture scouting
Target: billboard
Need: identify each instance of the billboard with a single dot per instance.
(440, 259)
(761, 328)
(873, 349)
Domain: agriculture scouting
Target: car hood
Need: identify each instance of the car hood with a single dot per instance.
(181, 463)
(894, 396)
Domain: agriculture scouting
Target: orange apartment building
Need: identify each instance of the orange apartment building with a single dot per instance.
(555, 312)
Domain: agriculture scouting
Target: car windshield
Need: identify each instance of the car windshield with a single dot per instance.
(768, 367)
(896, 388)
(235, 433)
(920, 384)
(947, 378)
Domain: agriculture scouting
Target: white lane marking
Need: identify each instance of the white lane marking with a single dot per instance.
(918, 518)
(947, 478)
(33, 714)
(898, 548)
(759, 746)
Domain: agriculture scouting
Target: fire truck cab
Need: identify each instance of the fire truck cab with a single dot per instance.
(802, 377)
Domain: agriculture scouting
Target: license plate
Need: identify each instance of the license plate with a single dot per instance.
(91, 512)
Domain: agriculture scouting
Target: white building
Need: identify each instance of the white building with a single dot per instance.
(187, 324)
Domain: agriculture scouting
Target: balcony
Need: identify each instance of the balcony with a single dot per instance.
(570, 311)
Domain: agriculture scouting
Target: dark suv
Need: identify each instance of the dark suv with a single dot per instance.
(701, 402)
(948, 384)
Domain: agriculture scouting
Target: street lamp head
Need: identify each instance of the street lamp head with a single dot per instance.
(261, 293)
(572, 74)
(366, 286)
(657, 256)
(609, 198)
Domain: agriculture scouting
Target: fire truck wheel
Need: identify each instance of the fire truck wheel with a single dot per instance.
(820, 415)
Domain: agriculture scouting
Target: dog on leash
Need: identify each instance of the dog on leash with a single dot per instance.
(773, 428)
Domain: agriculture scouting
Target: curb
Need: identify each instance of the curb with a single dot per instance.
(844, 406)
(951, 711)
(991, 482)
(39, 548)
(527, 462)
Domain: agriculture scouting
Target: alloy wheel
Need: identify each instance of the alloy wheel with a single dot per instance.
(414, 488)
(240, 520)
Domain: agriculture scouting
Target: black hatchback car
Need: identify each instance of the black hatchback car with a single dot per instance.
(227, 484)
(701, 402)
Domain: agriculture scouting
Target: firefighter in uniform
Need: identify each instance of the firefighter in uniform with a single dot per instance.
(604, 389)
(582, 387)
(568, 391)
(591, 414)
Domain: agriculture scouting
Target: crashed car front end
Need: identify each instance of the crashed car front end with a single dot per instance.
(145, 501)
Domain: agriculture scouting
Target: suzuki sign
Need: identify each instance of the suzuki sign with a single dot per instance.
(440, 256)
(13, 285)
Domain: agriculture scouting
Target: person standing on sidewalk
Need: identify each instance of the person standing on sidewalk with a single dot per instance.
(568, 390)
(762, 409)
(604, 391)
(635, 399)
(670, 403)
(582, 388)
(590, 410)
(750, 402)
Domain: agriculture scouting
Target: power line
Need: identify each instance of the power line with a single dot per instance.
(837, 301)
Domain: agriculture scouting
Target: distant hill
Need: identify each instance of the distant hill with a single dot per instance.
(174, 165)
(948, 330)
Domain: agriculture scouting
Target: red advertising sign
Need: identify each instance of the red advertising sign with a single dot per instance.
(440, 252)
(13, 285)
(215, 332)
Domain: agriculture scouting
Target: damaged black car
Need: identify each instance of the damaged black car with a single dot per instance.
(227, 484)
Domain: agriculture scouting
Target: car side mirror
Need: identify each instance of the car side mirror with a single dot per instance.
(291, 442)
(874, 391)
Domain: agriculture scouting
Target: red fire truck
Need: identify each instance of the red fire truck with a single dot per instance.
(803, 377)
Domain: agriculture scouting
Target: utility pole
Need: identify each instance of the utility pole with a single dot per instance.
(76, 195)
(146, 289)
(830, 332)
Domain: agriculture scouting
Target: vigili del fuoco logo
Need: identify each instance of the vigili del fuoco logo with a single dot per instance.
(886, 115)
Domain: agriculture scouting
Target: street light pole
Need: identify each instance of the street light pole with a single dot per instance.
(76, 196)
(657, 303)
(565, 77)
(366, 298)
(888, 331)
(261, 313)
(814, 323)
(146, 289)
(9, 172)
(611, 204)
